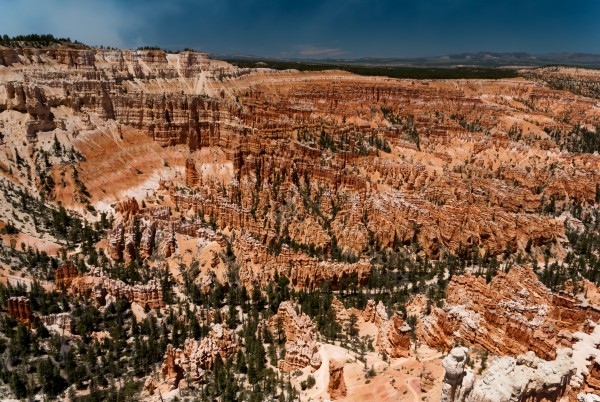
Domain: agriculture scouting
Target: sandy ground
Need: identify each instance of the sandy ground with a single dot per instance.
(400, 379)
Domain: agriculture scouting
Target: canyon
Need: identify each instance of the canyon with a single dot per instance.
(345, 237)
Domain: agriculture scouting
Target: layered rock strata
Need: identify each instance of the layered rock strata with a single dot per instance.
(435, 164)
(513, 314)
(258, 266)
(59, 321)
(393, 336)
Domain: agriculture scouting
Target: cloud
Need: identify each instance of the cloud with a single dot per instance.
(316, 51)
(314, 28)
(94, 22)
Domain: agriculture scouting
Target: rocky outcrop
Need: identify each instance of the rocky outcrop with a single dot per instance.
(508, 379)
(458, 380)
(171, 370)
(573, 372)
(524, 378)
(191, 174)
(33, 101)
(142, 233)
(512, 315)
(19, 308)
(59, 321)
(586, 355)
(102, 289)
(342, 315)
(128, 208)
(370, 312)
(393, 337)
(150, 232)
(258, 266)
(591, 293)
(309, 174)
(301, 347)
(141, 237)
(588, 397)
(64, 274)
(192, 362)
(393, 334)
(337, 386)
(339, 174)
(593, 378)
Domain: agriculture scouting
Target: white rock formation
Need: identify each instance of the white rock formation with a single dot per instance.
(588, 398)
(458, 381)
(507, 379)
(525, 378)
(585, 349)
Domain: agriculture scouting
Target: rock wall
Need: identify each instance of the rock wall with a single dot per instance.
(393, 337)
(524, 378)
(191, 174)
(139, 233)
(259, 266)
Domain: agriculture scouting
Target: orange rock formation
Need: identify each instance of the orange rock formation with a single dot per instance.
(511, 315)
(301, 347)
(19, 308)
(393, 334)
(196, 357)
(101, 289)
(64, 274)
(337, 386)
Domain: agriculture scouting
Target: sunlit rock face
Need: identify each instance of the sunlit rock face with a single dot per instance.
(513, 314)
(259, 178)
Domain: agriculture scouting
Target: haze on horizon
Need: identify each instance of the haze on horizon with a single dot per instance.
(316, 28)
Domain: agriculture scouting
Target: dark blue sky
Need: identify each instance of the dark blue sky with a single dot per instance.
(314, 29)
